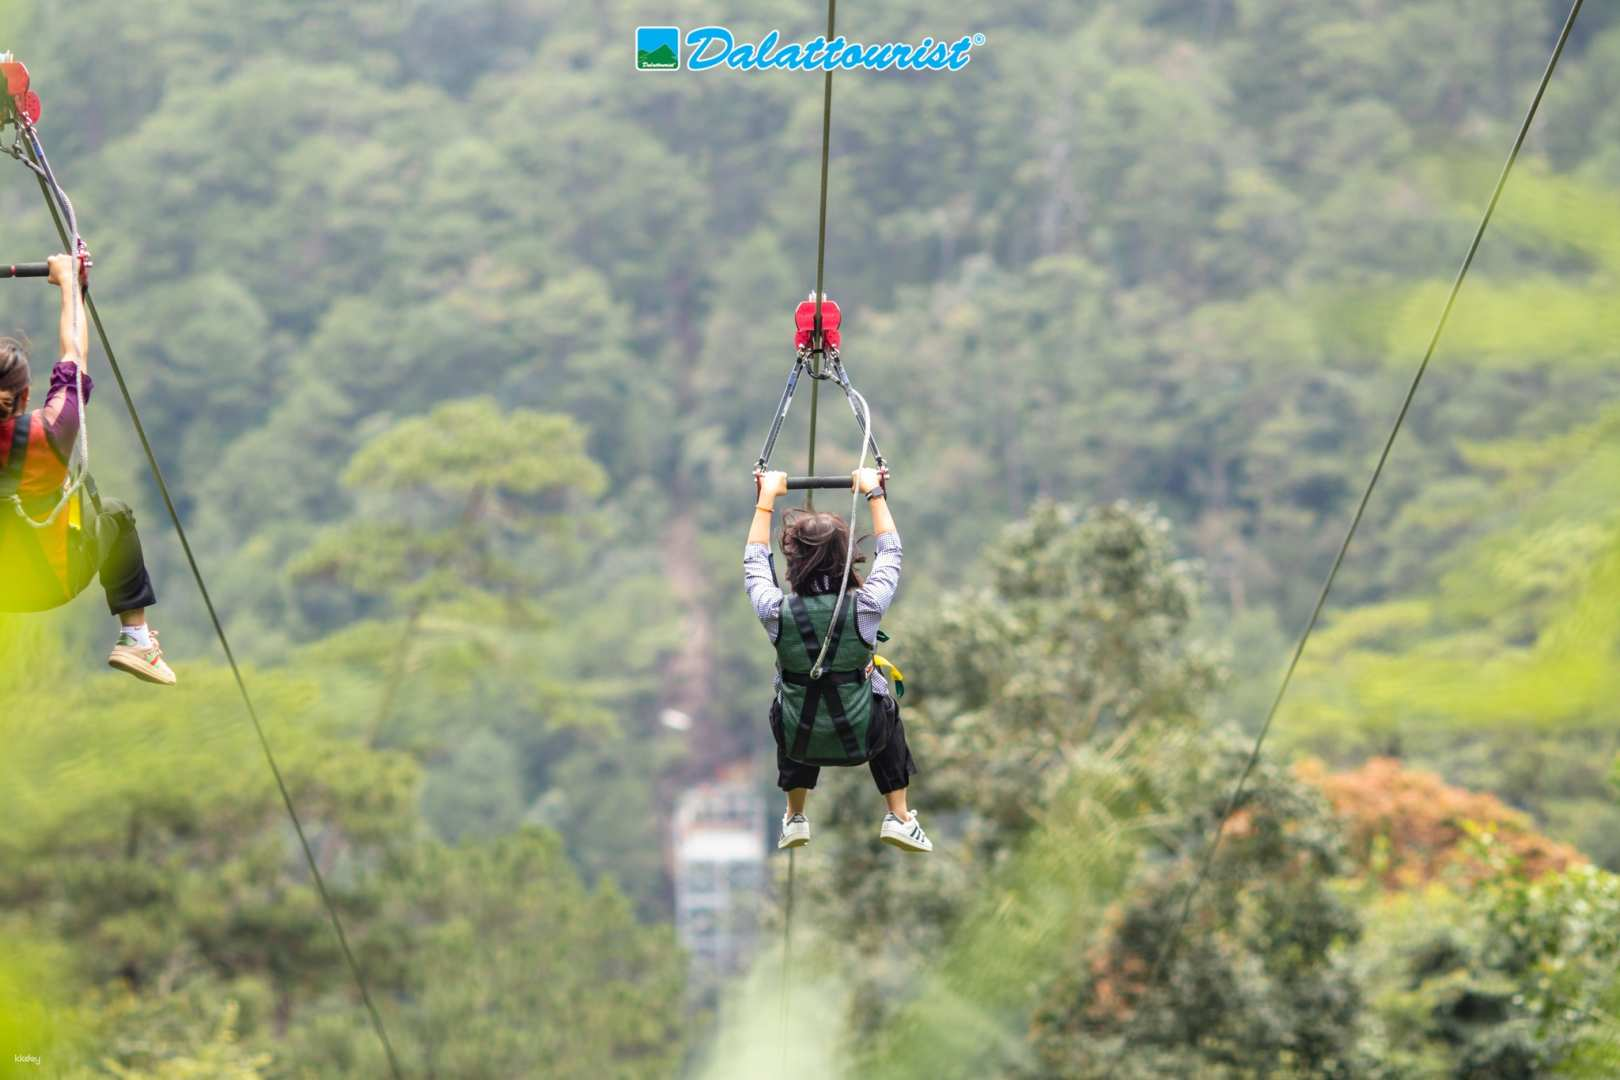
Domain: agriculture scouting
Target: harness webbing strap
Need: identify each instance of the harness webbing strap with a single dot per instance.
(835, 700)
(807, 629)
(841, 724)
(832, 678)
(812, 696)
(11, 475)
(835, 629)
(807, 715)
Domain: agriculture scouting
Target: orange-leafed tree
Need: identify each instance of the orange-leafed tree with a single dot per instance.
(1408, 827)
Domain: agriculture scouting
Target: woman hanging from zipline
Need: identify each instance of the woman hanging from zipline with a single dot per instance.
(50, 546)
(843, 713)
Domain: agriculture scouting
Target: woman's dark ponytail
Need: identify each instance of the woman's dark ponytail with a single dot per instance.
(13, 375)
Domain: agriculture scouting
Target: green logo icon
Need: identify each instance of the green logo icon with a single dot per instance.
(658, 48)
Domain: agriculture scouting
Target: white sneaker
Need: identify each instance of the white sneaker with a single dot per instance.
(905, 834)
(795, 832)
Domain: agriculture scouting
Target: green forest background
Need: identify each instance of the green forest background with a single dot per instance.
(456, 337)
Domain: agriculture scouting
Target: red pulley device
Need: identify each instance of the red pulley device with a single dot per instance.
(805, 321)
(24, 100)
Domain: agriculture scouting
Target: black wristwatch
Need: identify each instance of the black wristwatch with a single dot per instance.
(876, 493)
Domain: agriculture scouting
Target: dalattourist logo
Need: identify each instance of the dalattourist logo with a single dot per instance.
(658, 48)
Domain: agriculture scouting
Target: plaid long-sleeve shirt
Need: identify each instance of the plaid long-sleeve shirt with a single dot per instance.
(872, 599)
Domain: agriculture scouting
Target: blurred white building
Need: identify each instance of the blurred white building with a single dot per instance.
(718, 851)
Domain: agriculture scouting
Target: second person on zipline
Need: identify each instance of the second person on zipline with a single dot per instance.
(844, 714)
(46, 555)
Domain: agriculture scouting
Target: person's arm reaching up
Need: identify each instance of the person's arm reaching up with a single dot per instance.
(63, 409)
(870, 484)
(758, 576)
(877, 593)
(73, 327)
(771, 485)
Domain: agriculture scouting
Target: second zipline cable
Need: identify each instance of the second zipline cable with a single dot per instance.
(1208, 859)
(41, 172)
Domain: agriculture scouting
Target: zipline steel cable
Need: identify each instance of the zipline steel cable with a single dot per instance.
(1208, 861)
(821, 246)
(53, 194)
(810, 495)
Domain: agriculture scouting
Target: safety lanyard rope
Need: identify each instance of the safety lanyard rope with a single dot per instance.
(865, 415)
(62, 214)
(1208, 860)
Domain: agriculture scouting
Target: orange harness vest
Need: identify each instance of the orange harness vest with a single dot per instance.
(34, 562)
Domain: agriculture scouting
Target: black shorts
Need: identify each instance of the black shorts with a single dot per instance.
(892, 768)
(123, 566)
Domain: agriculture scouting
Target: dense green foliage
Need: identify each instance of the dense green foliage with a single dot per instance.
(456, 336)
(1447, 940)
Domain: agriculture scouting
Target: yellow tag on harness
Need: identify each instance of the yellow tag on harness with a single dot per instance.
(892, 674)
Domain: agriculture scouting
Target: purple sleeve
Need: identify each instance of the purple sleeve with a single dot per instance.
(62, 412)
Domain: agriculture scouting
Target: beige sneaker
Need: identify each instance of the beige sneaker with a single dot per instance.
(146, 664)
